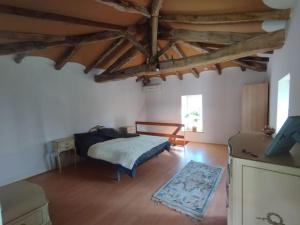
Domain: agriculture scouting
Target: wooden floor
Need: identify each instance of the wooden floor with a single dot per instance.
(87, 195)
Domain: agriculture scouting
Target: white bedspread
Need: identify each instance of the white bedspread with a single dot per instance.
(124, 151)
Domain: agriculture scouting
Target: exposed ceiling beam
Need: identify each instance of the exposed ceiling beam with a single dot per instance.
(164, 55)
(179, 75)
(228, 18)
(137, 44)
(156, 5)
(219, 69)
(24, 36)
(19, 57)
(181, 54)
(116, 45)
(13, 48)
(12, 10)
(205, 36)
(126, 6)
(70, 52)
(255, 59)
(126, 57)
(256, 67)
(258, 44)
(163, 77)
(166, 48)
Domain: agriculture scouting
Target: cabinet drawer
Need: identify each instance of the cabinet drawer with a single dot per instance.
(33, 218)
(269, 194)
(64, 145)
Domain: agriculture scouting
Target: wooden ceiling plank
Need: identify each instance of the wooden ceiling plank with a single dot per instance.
(219, 37)
(67, 55)
(19, 47)
(156, 6)
(17, 11)
(181, 54)
(116, 45)
(244, 17)
(258, 44)
(126, 7)
(24, 36)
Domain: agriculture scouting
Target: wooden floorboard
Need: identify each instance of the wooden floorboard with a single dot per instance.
(88, 195)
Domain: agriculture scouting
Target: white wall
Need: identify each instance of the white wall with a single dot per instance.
(221, 101)
(39, 104)
(284, 61)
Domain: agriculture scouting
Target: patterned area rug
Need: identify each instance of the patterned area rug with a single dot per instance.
(191, 189)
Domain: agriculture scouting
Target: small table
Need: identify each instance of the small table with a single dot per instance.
(63, 145)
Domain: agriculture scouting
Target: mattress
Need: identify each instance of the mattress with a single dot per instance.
(124, 151)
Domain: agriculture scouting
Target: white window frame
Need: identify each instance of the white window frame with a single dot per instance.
(187, 107)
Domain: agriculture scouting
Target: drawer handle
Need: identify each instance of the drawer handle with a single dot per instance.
(272, 218)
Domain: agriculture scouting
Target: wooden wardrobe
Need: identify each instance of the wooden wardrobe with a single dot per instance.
(255, 104)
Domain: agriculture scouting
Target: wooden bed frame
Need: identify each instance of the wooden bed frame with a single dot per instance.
(172, 136)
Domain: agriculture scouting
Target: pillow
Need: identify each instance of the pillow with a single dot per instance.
(85, 140)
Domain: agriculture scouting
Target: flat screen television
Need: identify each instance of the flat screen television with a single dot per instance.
(288, 135)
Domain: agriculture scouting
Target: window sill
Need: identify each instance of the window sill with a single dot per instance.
(190, 131)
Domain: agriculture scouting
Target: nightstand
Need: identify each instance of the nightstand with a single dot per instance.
(63, 145)
(127, 130)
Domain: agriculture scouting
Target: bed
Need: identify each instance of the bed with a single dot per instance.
(124, 152)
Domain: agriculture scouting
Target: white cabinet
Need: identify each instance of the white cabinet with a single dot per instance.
(262, 191)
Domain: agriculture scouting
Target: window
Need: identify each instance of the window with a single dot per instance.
(283, 101)
(191, 112)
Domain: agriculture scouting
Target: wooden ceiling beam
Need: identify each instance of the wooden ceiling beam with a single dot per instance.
(126, 57)
(70, 52)
(163, 77)
(19, 47)
(179, 75)
(256, 67)
(181, 54)
(255, 59)
(219, 69)
(17, 11)
(164, 55)
(219, 37)
(137, 44)
(115, 46)
(19, 57)
(244, 17)
(258, 44)
(162, 51)
(156, 5)
(126, 7)
(123, 59)
(24, 36)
